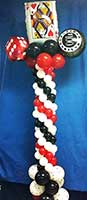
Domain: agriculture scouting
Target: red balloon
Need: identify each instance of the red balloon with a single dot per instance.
(49, 113)
(36, 97)
(49, 70)
(49, 156)
(52, 74)
(42, 151)
(36, 197)
(53, 161)
(41, 108)
(44, 60)
(30, 62)
(37, 102)
(58, 61)
(38, 146)
(54, 118)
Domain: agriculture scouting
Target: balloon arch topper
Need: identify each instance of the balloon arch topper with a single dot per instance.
(44, 53)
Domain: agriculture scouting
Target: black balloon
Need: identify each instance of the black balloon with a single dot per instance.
(42, 177)
(52, 187)
(34, 50)
(47, 197)
(50, 138)
(53, 139)
(47, 90)
(40, 167)
(52, 97)
(41, 83)
(51, 47)
(34, 72)
(47, 136)
(38, 123)
(44, 129)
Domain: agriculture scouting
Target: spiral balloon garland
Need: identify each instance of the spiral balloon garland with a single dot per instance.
(47, 176)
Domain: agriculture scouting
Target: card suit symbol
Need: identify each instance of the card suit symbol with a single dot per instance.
(33, 5)
(50, 33)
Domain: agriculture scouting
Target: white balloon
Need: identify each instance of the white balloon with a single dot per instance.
(50, 147)
(51, 84)
(36, 128)
(42, 97)
(62, 195)
(42, 117)
(47, 78)
(54, 176)
(38, 91)
(41, 141)
(38, 134)
(35, 114)
(43, 161)
(48, 104)
(32, 171)
(41, 74)
(60, 182)
(59, 171)
(54, 148)
(49, 167)
(52, 129)
(36, 189)
(53, 91)
(35, 86)
(37, 67)
(37, 155)
(48, 123)
(54, 107)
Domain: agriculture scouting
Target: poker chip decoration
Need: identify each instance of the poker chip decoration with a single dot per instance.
(71, 42)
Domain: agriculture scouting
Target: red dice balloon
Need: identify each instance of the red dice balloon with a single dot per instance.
(16, 47)
(44, 60)
(58, 61)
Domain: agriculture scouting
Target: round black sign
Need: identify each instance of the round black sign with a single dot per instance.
(71, 42)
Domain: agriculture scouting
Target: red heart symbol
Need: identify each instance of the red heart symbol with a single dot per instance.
(50, 33)
(33, 5)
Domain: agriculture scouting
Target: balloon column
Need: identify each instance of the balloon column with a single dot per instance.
(44, 58)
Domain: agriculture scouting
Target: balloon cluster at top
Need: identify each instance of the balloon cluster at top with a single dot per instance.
(45, 55)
